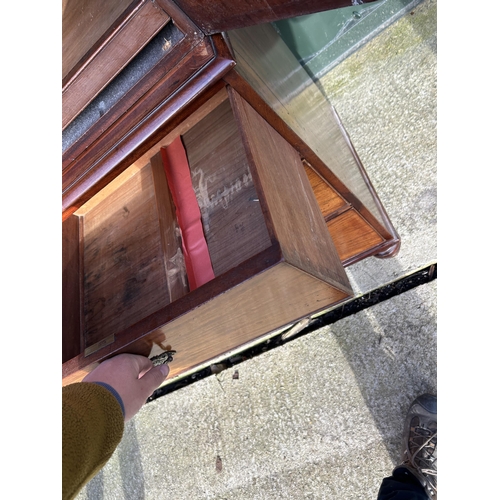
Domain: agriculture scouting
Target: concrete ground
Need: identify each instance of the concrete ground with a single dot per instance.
(320, 417)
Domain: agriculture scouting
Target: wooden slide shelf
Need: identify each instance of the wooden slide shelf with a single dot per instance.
(126, 286)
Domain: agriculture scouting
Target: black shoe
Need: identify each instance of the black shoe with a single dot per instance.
(420, 442)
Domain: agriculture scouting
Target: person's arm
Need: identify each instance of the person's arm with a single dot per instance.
(94, 412)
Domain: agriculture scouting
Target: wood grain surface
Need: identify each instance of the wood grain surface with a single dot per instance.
(71, 282)
(108, 60)
(170, 234)
(186, 124)
(84, 23)
(352, 235)
(288, 198)
(328, 199)
(277, 297)
(124, 274)
(234, 225)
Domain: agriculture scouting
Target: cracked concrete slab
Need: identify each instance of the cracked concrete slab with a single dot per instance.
(321, 417)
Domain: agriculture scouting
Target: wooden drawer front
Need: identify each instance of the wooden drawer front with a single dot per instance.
(328, 199)
(273, 258)
(352, 235)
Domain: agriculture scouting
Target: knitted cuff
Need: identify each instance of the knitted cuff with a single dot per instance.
(115, 394)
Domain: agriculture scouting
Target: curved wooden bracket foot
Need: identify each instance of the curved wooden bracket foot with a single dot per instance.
(391, 251)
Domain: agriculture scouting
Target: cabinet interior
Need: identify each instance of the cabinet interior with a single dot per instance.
(123, 248)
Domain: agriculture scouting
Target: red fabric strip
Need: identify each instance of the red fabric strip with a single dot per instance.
(198, 264)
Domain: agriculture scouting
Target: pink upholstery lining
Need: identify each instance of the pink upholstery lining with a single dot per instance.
(198, 264)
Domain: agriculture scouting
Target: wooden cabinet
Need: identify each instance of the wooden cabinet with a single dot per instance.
(277, 224)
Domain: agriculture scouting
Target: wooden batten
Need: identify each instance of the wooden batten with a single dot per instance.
(71, 293)
(175, 267)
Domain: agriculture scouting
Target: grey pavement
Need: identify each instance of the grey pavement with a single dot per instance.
(320, 417)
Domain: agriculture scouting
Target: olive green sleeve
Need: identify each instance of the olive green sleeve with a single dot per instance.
(92, 428)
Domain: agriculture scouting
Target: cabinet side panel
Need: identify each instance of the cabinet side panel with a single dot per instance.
(70, 288)
(292, 206)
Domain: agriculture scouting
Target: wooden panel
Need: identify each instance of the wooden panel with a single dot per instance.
(119, 146)
(160, 55)
(287, 198)
(124, 274)
(83, 24)
(216, 16)
(352, 234)
(232, 218)
(143, 333)
(71, 287)
(106, 63)
(270, 300)
(328, 199)
(170, 234)
(391, 245)
(183, 127)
